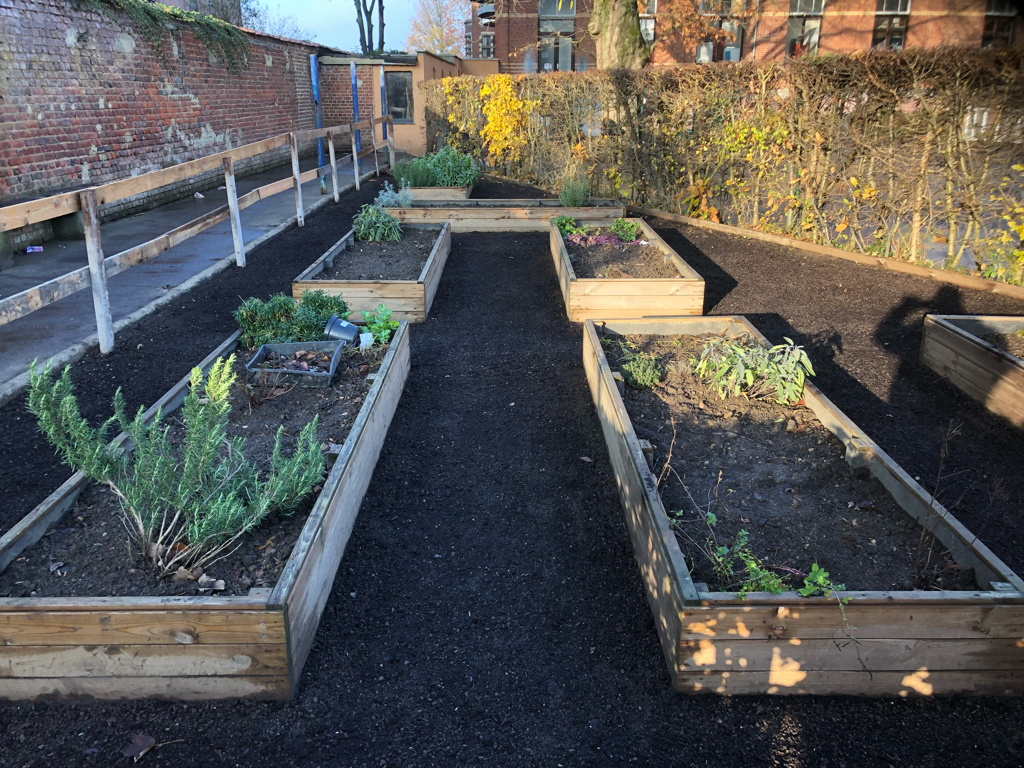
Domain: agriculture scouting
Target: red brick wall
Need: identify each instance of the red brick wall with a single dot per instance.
(336, 92)
(84, 101)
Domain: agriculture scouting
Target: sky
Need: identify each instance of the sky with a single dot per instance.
(333, 22)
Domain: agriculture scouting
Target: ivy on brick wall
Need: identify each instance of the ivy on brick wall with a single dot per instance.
(225, 41)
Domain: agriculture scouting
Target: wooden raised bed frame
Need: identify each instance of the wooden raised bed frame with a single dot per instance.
(407, 299)
(195, 647)
(441, 193)
(952, 347)
(527, 215)
(913, 643)
(608, 298)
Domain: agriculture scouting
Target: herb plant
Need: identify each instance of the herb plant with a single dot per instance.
(737, 368)
(390, 198)
(567, 226)
(641, 370)
(445, 168)
(380, 324)
(375, 225)
(281, 319)
(818, 582)
(627, 231)
(575, 192)
(187, 510)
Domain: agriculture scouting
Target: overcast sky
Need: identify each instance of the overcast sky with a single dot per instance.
(333, 22)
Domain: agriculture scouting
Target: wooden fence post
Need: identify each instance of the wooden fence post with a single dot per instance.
(355, 157)
(297, 180)
(373, 138)
(236, 220)
(391, 144)
(334, 166)
(97, 270)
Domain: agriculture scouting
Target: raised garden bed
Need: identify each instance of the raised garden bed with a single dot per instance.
(249, 645)
(440, 193)
(526, 215)
(623, 296)
(896, 642)
(981, 355)
(409, 298)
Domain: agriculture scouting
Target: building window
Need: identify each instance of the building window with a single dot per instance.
(647, 11)
(556, 9)
(999, 20)
(804, 27)
(469, 46)
(556, 45)
(487, 46)
(891, 17)
(399, 92)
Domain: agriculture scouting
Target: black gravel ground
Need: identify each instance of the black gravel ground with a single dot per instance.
(489, 611)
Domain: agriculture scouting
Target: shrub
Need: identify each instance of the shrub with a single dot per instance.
(414, 173)
(747, 368)
(184, 511)
(575, 192)
(375, 225)
(390, 198)
(445, 168)
(627, 231)
(281, 319)
(451, 168)
(380, 324)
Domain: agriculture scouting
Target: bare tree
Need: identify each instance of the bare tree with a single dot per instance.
(364, 17)
(437, 26)
(258, 16)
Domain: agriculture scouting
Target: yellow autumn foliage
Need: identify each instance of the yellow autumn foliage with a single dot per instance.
(505, 132)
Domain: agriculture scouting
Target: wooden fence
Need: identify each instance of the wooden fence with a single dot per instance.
(88, 201)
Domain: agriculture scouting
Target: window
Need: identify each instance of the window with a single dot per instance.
(999, 20)
(487, 46)
(647, 12)
(804, 27)
(469, 45)
(556, 9)
(556, 45)
(891, 17)
(398, 86)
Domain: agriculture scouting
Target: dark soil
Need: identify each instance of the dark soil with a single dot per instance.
(619, 261)
(97, 557)
(862, 327)
(489, 611)
(403, 260)
(178, 335)
(1008, 342)
(492, 188)
(772, 471)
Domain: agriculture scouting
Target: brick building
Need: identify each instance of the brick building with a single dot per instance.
(548, 35)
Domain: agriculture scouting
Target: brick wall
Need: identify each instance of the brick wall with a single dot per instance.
(84, 101)
(336, 92)
(847, 26)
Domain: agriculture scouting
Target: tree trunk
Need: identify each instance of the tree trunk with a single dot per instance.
(380, 26)
(615, 27)
(362, 29)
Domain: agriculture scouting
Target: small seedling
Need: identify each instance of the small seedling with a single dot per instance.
(818, 582)
(641, 370)
(380, 324)
(627, 231)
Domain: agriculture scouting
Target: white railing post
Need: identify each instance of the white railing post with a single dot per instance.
(334, 166)
(297, 180)
(236, 220)
(97, 270)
